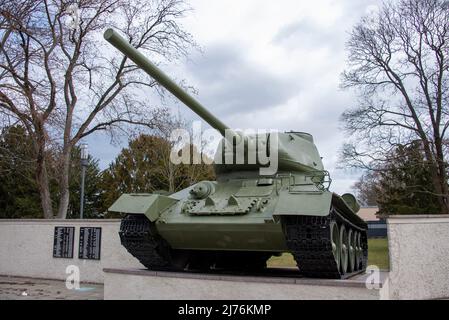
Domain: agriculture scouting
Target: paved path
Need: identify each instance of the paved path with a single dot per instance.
(14, 288)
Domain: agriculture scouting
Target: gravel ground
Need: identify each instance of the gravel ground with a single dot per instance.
(15, 288)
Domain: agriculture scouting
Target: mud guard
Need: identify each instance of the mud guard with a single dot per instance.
(304, 203)
(150, 205)
(346, 210)
(315, 204)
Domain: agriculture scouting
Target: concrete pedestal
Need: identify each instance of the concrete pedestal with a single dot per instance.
(122, 284)
(419, 259)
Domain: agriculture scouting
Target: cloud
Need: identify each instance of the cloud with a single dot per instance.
(307, 33)
(230, 84)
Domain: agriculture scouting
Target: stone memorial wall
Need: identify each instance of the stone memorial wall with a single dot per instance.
(45, 248)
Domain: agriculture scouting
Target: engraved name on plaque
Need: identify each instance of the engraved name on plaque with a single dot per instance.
(90, 243)
(63, 242)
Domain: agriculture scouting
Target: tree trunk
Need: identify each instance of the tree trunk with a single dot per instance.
(437, 177)
(44, 189)
(64, 183)
(442, 190)
(438, 183)
(442, 199)
(171, 177)
(41, 171)
(442, 176)
(446, 197)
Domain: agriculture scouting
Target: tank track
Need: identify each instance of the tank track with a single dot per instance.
(308, 239)
(140, 239)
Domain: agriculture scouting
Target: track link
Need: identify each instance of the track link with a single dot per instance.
(308, 239)
(140, 239)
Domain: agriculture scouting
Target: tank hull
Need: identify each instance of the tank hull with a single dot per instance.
(230, 234)
(221, 224)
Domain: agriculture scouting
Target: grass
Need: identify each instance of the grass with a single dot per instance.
(377, 255)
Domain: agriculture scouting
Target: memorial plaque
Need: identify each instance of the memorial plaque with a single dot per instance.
(63, 242)
(90, 243)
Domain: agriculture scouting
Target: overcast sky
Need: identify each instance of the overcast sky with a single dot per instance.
(272, 65)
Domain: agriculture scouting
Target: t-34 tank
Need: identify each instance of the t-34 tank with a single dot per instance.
(239, 221)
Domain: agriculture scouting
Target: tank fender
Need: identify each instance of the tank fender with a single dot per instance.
(307, 203)
(151, 205)
(348, 210)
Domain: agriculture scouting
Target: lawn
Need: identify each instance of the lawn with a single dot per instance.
(377, 255)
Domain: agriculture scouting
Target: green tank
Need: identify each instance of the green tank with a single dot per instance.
(239, 221)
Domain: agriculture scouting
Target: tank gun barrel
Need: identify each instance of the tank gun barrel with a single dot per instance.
(140, 60)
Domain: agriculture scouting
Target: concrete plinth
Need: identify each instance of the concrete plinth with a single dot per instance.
(419, 259)
(137, 284)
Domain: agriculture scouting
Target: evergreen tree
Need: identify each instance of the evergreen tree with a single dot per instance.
(19, 196)
(401, 185)
(405, 185)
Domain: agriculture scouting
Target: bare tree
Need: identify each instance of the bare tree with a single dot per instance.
(366, 189)
(398, 63)
(62, 82)
(185, 174)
